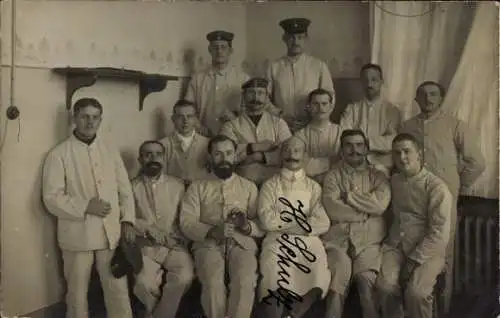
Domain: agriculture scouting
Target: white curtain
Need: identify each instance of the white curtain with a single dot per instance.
(473, 93)
(417, 41)
(454, 44)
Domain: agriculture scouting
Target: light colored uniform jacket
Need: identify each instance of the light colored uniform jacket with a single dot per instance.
(243, 131)
(359, 220)
(451, 150)
(292, 186)
(74, 173)
(187, 165)
(322, 147)
(422, 206)
(207, 203)
(379, 121)
(290, 82)
(214, 92)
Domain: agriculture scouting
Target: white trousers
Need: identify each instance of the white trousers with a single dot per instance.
(77, 271)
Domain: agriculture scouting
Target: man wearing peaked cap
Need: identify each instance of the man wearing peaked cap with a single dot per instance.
(293, 76)
(258, 133)
(219, 35)
(216, 90)
(255, 82)
(295, 25)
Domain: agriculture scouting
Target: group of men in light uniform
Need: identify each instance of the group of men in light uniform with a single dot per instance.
(259, 195)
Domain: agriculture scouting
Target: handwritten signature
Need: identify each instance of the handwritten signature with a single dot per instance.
(287, 255)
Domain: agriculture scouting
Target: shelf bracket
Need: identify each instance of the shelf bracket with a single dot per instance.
(150, 85)
(75, 82)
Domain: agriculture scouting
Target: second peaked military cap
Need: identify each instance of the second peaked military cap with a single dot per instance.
(255, 82)
(295, 25)
(220, 35)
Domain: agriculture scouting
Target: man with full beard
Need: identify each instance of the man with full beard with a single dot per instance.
(258, 134)
(157, 198)
(219, 215)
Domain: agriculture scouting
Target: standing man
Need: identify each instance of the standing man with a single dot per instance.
(258, 134)
(216, 91)
(86, 186)
(185, 149)
(450, 151)
(293, 76)
(158, 197)
(220, 216)
(414, 252)
(378, 118)
(321, 136)
(355, 196)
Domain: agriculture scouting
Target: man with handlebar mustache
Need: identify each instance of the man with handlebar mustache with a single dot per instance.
(220, 217)
(258, 134)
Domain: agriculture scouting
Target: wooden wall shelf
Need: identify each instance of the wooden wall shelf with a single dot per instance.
(78, 77)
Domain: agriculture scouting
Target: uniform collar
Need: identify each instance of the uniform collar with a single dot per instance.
(212, 71)
(292, 60)
(437, 114)
(290, 175)
(77, 139)
(350, 169)
(156, 180)
(376, 102)
(184, 138)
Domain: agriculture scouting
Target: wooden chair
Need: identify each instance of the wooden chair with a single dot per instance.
(438, 297)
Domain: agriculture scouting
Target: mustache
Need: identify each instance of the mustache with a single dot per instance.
(292, 160)
(355, 153)
(224, 164)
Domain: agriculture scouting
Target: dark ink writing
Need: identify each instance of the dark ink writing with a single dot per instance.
(289, 249)
(296, 213)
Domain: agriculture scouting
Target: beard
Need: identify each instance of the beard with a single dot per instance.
(152, 168)
(223, 170)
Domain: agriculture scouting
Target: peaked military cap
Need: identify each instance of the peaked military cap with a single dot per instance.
(295, 25)
(220, 35)
(255, 82)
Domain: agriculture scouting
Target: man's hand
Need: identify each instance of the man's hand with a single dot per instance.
(98, 207)
(227, 116)
(264, 146)
(240, 221)
(128, 232)
(157, 235)
(221, 232)
(407, 272)
(343, 196)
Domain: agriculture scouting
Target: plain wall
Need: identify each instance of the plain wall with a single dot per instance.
(167, 38)
(339, 34)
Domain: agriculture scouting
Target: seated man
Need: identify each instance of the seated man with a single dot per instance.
(321, 136)
(218, 215)
(293, 260)
(415, 250)
(258, 134)
(355, 196)
(185, 149)
(158, 198)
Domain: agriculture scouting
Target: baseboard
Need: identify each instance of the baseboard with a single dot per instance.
(56, 310)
